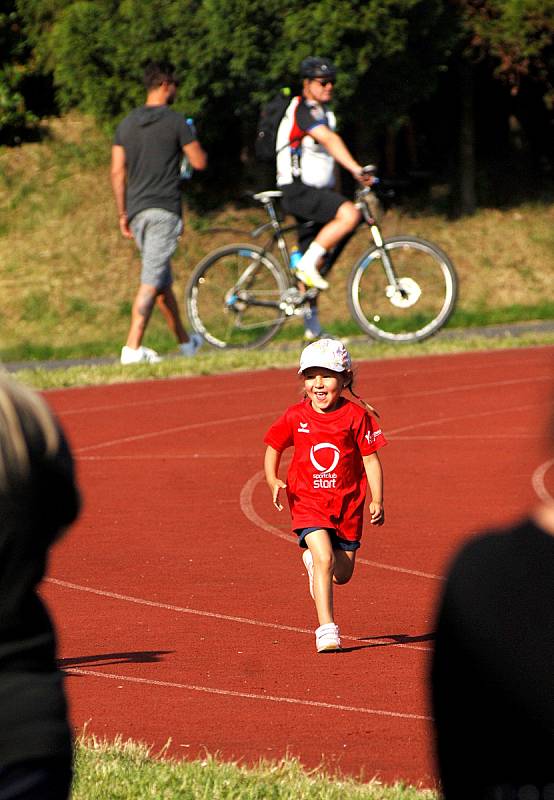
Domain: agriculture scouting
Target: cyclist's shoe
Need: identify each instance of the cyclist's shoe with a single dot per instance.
(142, 355)
(191, 347)
(327, 638)
(311, 277)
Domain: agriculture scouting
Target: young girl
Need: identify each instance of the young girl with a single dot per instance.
(335, 455)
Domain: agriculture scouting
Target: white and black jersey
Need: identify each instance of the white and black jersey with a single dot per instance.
(299, 156)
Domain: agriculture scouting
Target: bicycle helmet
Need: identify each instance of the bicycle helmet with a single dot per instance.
(315, 67)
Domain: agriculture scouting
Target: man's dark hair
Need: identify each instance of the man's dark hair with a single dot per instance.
(156, 72)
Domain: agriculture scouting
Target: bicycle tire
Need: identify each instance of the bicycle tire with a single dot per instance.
(223, 310)
(429, 289)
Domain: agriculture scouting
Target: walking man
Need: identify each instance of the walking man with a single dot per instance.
(148, 147)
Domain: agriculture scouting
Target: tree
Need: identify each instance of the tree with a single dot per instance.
(513, 38)
(518, 35)
(14, 114)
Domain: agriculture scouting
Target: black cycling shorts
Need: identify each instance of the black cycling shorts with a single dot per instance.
(308, 203)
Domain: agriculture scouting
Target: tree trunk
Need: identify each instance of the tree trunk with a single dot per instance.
(465, 196)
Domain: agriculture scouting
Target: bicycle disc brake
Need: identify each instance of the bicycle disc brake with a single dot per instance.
(406, 293)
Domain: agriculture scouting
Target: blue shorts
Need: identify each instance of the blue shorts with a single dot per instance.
(336, 541)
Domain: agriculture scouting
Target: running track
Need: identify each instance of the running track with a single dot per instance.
(180, 597)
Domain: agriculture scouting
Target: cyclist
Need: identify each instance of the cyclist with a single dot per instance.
(307, 150)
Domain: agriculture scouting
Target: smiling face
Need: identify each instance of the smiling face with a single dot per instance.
(323, 388)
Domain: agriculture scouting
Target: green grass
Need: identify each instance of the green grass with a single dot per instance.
(67, 277)
(212, 362)
(129, 771)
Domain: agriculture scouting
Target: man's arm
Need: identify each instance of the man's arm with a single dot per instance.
(196, 155)
(119, 181)
(335, 146)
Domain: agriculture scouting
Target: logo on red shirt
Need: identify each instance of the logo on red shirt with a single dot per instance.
(325, 478)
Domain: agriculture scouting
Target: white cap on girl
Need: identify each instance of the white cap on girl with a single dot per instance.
(328, 353)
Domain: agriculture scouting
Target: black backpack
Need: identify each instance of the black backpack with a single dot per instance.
(268, 123)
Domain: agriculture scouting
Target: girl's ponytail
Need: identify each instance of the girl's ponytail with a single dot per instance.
(367, 406)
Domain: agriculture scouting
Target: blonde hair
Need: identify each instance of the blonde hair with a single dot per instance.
(350, 387)
(28, 432)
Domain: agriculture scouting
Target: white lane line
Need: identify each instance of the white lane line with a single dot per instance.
(261, 415)
(247, 507)
(194, 397)
(539, 484)
(152, 401)
(448, 437)
(178, 429)
(163, 457)
(226, 617)
(460, 417)
(191, 687)
(420, 437)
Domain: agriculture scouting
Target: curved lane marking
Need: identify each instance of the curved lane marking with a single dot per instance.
(227, 617)
(246, 695)
(247, 507)
(539, 484)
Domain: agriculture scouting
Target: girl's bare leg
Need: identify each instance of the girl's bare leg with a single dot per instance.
(344, 566)
(319, 544)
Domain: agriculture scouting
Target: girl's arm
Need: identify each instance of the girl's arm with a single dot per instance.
(271, 467)
(374, 473)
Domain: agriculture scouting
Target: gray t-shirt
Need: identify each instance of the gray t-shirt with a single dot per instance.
(153, 138)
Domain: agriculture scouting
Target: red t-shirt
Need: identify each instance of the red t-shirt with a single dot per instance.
(326, 481)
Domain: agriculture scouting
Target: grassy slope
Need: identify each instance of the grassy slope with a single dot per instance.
(70, 277)
(128, 771)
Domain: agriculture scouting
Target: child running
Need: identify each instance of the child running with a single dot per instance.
(335, 445)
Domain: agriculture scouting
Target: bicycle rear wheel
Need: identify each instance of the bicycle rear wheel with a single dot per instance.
(233, 297)
(418, 306)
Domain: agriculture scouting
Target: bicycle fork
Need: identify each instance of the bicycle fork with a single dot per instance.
(402, 292)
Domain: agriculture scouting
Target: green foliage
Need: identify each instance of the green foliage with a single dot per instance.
(398, 61)
(231, 49)
(14, 114)
(518, 34)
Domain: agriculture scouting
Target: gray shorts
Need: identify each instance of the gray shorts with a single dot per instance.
(156, 232)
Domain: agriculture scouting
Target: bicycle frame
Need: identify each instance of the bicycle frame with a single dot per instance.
(379, 307)
(278, 233)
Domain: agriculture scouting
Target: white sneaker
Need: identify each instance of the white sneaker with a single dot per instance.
(310, 277)
(327, 638)
(190, 348)
(309, 564)
(142, 355)
(310, 335)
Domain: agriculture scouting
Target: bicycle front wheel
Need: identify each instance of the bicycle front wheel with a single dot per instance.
(233, 297)
(417, 304)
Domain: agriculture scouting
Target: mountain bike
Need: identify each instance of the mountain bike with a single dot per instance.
(402, 289)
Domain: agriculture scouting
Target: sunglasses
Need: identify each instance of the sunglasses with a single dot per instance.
(324, 81)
